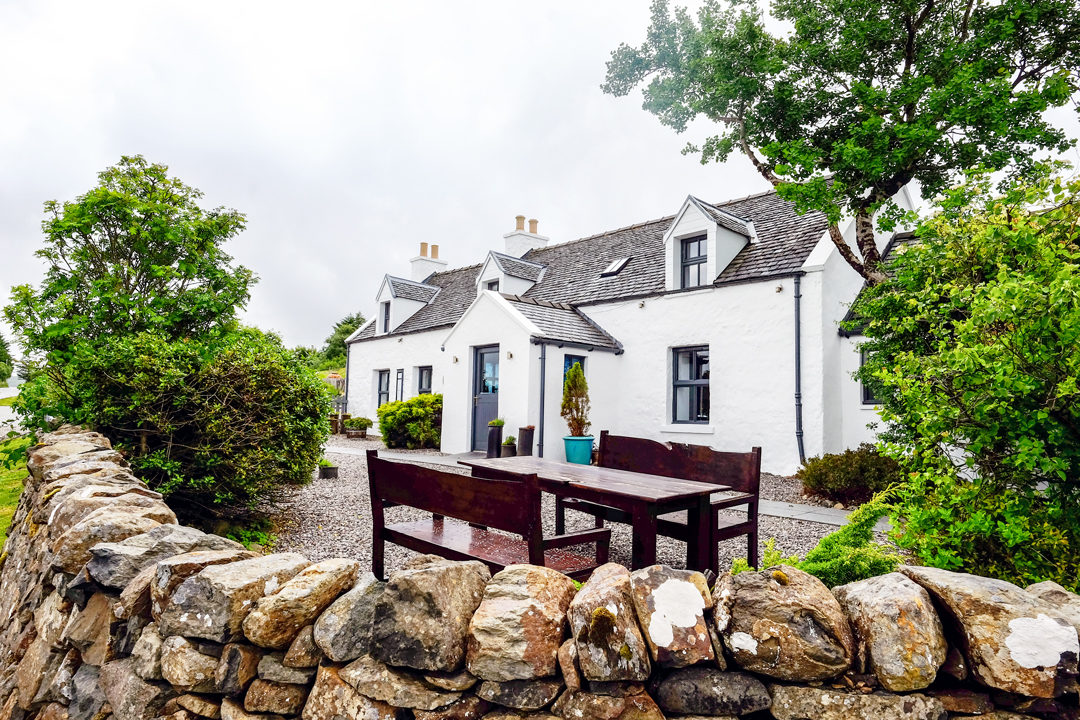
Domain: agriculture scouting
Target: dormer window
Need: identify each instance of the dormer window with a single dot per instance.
(694, 260)
(386, 317)
(492, 285)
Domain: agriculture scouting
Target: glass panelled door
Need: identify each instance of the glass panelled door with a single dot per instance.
(485, 393)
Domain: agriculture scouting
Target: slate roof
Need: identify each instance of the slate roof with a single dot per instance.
(724, 219)
(516, 267)
(560, 322)
(897, 245)
(571, 270)
(411, 290)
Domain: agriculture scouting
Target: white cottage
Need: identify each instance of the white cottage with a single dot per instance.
(717, 325)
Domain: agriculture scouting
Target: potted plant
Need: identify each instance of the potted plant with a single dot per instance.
(495, 428)
(525, 439)
(327, 470)
(357, 427)
(575, 410)
(509, 447)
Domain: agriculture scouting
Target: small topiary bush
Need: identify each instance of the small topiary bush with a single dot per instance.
(412, 424)
(853, 476)
(358, 423)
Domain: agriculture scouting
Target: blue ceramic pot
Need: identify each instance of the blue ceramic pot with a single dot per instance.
(578, 449)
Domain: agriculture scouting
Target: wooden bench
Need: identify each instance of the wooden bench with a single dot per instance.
(508, 502)
(740, 471)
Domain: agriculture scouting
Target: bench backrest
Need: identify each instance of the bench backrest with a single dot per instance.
(740, 471)
(511, 505)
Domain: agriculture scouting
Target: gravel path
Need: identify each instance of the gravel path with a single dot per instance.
(332, 518)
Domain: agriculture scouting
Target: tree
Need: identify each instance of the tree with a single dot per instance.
(7, 363)
(334, 352)
(134, 254)
(974, 347)
(862, 97)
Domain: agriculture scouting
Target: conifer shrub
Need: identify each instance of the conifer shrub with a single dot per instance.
(414, 423)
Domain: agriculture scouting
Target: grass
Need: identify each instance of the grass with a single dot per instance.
(11, 483)
(9, 400)
(326, 373)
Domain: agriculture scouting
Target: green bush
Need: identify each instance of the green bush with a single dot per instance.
(415, 423)
(214, 426)
(358, 423)
(844, 556)
(853, 476)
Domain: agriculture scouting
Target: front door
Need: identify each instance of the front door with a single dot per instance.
(485, 394)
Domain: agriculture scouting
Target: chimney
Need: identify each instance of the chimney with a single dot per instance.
(520, 242)
(422, 265)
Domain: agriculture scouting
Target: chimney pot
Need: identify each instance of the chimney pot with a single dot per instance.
(532, 225)
(520, 222)
(434, 252)
(423, 249)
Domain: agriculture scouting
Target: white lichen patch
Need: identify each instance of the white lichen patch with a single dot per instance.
(677, 603)
(743, 641)
(1040, 641)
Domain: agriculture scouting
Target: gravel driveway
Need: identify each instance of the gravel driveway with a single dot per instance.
(332, 518)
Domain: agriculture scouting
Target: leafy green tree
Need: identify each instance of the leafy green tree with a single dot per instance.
(334, 352)
(861, 97)
(134, 254)
(7, 363)
(974, 346)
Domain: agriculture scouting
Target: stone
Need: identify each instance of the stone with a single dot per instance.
(421, 619)
(616, 689)
(147, 653)
(963, 700)
(583, 705)
(135, 597)
(469, 707)
(395, 686)
(236, 668)
(272, 697)
(332, 698)
(271, 668)
(232, 710)
(897, 631)
(795, 702)
(87, 696)
(185, 668)
(115, 564)
(508, 714)
(53, 711)
(520, 694)
(516, 631)
(456, 681)
(784, 623)
(955, 665)
(303, 652)
(39, 661)
(1011, 639)
(50, 618)
(171, 572)
(670, 605)
(213, 603)
(568, 665)
(201, 705)
(343, 631)
(278, 617)
(81, 502)
(56, 680)
(604, 625)
(703, 690)
(1066, 603)
(71, 550)
(41, 457)
(131, 697)
(89, 629)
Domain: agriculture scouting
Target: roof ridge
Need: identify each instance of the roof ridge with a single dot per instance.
(412, 282)
(538, 303)
(517, 259)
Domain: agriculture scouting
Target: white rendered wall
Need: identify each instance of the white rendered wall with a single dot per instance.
(408, 352)
(856, 415)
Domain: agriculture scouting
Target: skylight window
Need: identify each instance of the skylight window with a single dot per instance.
(615, 267)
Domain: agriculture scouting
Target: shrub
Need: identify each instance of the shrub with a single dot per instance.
(415, 423)
(853, 476)
(213, 426)
(575, 401)
(358, 423)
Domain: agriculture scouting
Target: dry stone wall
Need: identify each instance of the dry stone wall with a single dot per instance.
(113, 611)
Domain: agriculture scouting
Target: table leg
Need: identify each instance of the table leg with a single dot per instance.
(700, 552)
(644, 525)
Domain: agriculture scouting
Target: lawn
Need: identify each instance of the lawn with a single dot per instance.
(8, 400)
(11, 483)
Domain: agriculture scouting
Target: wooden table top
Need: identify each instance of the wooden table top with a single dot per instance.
(651, 488)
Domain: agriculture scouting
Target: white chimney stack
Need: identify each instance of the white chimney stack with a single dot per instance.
(520, 242)
(424, 265)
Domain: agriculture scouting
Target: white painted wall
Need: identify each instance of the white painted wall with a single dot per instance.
(857, 416)
(723, 244)
(408, 352)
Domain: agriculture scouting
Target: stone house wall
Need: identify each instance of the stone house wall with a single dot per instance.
(112, 610)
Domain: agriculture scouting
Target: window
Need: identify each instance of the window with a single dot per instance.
(492, 285)
(690, 387)
(694, 255)
(614, 267)
(386, 317)
(384, 387)
(399, 385)
(868, 396)
(568, 362)
(423, 380)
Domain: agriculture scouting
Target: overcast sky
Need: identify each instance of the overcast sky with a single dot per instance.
(347, 132)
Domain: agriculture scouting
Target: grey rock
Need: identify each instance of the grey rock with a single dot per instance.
(395, 686)
(456, 681)
(237, 667)
(332, 698)
(131, 697)
(604, 625)
(87, 696)
(233, 710)
(115, 564)
(71, 550)
(469, 707)
(670, 605)
(303, 652)
(520, 694)
(271, 668)
(171, 572)
(794, 702)
(146, 655)
(702, 690)
(201, 705)
(585, 705)
(185, 668)
(1066, 603)
(343, 631)
(280, 698)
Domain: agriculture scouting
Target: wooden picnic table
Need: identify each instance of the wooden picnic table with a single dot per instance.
(642, 495)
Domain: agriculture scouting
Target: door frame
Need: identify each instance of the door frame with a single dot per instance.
(477, 379)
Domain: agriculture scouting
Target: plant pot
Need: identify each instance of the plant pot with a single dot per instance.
(328, 473)
(525, 441)
(578, 449)
(355, 434)
(507, 450)
(494, 440)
